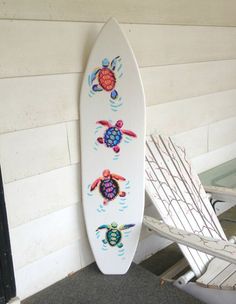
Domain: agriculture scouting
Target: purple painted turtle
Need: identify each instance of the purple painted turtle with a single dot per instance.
(113, 234)
(108, 186)
(113, 134)
(106, 77)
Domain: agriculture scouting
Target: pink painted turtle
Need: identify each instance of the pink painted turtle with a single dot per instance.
(108, 186)
(113, 134)
(113, 234)
(106, 77)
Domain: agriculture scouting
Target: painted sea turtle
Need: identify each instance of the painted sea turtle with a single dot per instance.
(113, 134)
(108, 186)
(113, 234)
(106, 77)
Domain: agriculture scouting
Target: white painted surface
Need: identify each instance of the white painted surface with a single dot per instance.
(30, 102)
(42, 194)
(190, 113)
(31, 152)
(46, 235)
(179, 197)
(215, 267)
(194, 141)
(50, 268)
(214, 158)
(187, 12)
(51, 99)
(222, 249)
(149, 246)
(97, 157)
(222, 133)
(73, 135)
(172, 75)
(174, 82)
(37, 48)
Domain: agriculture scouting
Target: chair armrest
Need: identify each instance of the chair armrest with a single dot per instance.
(226, 194)
(218, 248)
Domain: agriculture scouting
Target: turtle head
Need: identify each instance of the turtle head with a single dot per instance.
(106, 173)
(105, 63)
(119, 124)
(114, 225)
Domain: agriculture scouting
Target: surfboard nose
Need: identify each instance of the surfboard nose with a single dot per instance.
(111, 26)
(111, 21)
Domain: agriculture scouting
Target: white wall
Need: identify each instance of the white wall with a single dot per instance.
(187, 58)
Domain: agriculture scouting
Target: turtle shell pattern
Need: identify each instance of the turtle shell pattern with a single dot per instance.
(107, 79)
(109, 188)
(112, 137)
(113, 236)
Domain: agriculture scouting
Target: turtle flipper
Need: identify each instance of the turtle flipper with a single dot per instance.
(104, 241)
(123, 227)
(105, 202)
(120, 245)
(114, 62)
(105, 123)
(118, 177)
(100, 140)
(93, 76)
(129, 133)
(97, 88)
(95, 183)
(102, 227)
(114, 94)
(116, 149)
(122, 194)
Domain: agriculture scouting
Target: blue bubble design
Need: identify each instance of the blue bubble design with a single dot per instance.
(126, 233)
(116, 157)
(123, 201)
(98, 234)
(115, 105)
(104, 247)
(120, 67)
(127, 139)
(101, 209)
(89, 193)
(121, 251)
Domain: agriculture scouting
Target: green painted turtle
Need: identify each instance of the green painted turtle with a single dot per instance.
(113, 134)
(106, 77)
(113, 234)
(108, 186)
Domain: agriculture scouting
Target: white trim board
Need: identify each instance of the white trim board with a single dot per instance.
(46, 54)
(187, 12)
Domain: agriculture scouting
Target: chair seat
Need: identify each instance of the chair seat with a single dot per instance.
(219, 274)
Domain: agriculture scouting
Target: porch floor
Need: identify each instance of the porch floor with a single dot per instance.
(89, 286)
(140, 285)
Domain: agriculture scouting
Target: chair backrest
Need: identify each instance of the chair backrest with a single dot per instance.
(179, 196)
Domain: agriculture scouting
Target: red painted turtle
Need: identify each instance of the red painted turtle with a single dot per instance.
(108, 186)
(113, 134)
(113, 234)
(106, 77)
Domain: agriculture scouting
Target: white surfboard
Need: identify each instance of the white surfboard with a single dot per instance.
(112, 115)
